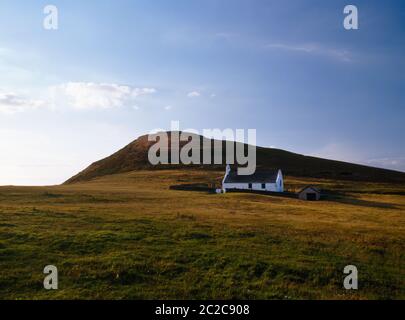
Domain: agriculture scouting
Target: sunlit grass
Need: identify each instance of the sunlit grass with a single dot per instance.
(129, 236)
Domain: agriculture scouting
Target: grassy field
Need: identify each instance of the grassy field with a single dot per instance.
(128, 236)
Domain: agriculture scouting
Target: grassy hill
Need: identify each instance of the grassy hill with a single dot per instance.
(135, 157)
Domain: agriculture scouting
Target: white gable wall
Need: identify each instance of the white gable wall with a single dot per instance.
(280, 182)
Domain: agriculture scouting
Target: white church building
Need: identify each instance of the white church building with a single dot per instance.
(261, 180)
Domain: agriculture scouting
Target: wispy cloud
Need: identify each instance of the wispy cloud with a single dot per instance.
(193, 94)
(350, 153)
(75, 95)
(339, 151)
(11, 103)
(313, 49)
(90, 95)
(394, 163)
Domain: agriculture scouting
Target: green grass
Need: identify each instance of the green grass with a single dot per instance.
(129, 237)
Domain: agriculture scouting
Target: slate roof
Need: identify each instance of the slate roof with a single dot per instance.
(260, 176)
(315, 189)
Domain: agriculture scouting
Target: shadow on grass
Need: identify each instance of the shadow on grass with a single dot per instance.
(200, 187)
(326, 196)
(345, 199)
(197, 187)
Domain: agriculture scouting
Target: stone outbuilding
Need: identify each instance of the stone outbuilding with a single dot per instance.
(310, 193)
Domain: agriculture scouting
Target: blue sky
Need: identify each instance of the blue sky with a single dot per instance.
(115, 70)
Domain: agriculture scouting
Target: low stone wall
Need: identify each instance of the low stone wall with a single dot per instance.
(269, 193)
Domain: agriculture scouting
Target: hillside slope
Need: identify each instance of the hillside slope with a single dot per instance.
(135, 157)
